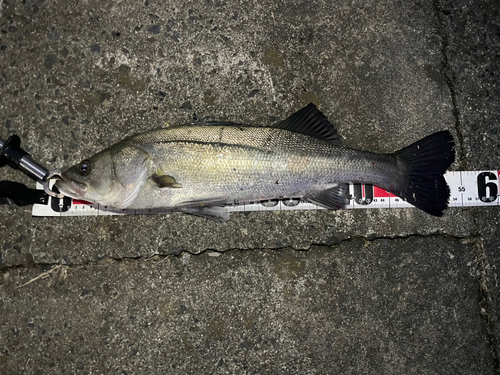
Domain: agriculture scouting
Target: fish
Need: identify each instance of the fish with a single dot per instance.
(200, 168)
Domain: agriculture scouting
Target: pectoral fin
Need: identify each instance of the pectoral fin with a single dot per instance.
(165, 181)
(217, 214)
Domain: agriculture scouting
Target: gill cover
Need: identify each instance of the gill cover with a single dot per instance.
(113, 177)
(131, 168)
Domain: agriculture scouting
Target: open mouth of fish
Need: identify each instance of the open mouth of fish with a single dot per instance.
(70, 188)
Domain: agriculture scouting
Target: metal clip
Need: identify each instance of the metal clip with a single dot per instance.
(54, 174)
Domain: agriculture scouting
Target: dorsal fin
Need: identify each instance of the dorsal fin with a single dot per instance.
(310, 121)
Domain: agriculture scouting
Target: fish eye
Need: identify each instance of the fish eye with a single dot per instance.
(84, 168)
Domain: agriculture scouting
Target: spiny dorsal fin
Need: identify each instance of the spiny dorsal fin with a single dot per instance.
(310, 121)
(165, 181)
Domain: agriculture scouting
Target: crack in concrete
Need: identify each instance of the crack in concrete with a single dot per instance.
(109, 259)
(448, 75)
(473, 235)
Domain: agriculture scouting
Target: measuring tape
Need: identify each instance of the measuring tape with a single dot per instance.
(468, 188)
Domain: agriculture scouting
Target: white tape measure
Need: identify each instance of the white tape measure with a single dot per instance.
(468, 188)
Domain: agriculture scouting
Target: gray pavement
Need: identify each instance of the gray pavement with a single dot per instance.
(352, 292)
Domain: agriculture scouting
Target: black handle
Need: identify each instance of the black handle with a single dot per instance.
(12, 154)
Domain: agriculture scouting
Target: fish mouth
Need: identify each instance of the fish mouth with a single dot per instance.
(71, 188)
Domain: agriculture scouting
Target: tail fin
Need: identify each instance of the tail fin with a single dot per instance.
(423, 165)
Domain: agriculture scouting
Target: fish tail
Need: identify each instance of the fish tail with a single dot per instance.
(422, 166)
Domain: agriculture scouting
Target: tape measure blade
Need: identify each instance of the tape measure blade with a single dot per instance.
(467, 188)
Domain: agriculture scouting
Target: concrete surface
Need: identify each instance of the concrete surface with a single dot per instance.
(354, 292)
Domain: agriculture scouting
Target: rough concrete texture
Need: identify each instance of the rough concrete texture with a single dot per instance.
(386, 306)
(376, 291)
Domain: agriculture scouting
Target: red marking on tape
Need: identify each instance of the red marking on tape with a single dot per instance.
(381, 193)
(77, 201)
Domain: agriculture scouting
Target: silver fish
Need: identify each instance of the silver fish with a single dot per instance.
(198, 169)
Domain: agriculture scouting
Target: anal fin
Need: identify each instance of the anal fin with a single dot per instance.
(335, 198)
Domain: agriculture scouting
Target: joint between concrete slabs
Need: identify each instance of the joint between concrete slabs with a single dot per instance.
(485, 302)
(471, 237)
(447, 73)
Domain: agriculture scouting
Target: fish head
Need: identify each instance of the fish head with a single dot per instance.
(113, 177)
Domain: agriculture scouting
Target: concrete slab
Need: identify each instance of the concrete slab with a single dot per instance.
(383, 306)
